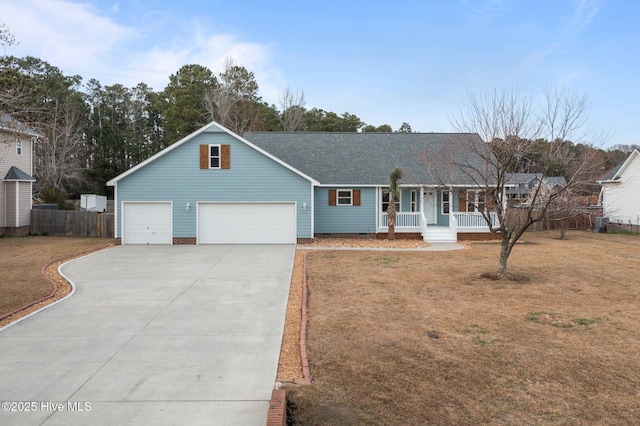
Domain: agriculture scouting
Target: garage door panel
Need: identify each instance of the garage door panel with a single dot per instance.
(147, 223)
(246, 223)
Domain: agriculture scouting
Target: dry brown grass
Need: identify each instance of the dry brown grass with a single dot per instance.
(22, 260)
(420, 338)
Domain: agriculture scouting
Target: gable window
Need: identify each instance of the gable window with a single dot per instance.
(18, 147)
(414, 201)
(215, 156)
(344, 197)
(475, 201)
(385, 202)
(446, 202)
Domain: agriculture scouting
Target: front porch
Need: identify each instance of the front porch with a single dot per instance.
(434, 215)
(459, 223)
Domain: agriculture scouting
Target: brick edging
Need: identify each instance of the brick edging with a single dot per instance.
(306, 375)
(277, 415)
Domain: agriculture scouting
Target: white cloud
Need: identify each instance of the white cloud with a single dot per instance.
(156, 65)
(585, 11)
(78, 39)
(68, 35)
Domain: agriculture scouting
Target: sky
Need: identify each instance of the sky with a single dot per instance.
(386, 62)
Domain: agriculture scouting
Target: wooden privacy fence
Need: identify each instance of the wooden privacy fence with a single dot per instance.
(584, 219)
(72, 223)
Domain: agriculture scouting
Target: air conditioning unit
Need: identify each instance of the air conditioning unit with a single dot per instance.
(602, 224)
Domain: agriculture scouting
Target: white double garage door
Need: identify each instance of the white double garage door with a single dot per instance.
(216, 222)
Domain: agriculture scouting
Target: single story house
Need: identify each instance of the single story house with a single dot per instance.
(216, 187)
(16, 175)
(620, 192)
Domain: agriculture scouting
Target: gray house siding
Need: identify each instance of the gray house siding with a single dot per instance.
(252, 176)
(345, 219)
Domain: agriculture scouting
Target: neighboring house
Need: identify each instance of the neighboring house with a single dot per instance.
(16, 171)
(620, 193)
(519, 186)
(214, 186)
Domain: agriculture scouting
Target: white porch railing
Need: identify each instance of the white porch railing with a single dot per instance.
(403, 220)
(473, 220)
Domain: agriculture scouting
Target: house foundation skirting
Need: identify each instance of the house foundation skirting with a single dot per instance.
(12, 231)
(184, 241)
(400, 235)
(478, 236)
(346, 235)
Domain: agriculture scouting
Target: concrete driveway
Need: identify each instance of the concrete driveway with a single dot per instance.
(153, 335)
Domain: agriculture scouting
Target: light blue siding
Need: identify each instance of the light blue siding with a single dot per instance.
(176, 176)
(443, 219)
(345, 219)
(405, 199)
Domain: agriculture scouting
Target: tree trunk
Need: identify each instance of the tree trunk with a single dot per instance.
(563, 229)
(391, 221)
(505, 251)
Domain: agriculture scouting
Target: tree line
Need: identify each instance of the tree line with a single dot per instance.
(93, 132)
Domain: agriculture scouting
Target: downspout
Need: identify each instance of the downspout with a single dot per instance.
(31, 164)
(312, 207)
(116, 224)
(17, 204)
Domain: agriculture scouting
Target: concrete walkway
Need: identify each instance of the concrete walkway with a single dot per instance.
(153, 335)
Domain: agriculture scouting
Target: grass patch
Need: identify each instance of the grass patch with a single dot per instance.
(386, 260)
(586, 321)
(434, 343)
(622, 232)
(23, 259)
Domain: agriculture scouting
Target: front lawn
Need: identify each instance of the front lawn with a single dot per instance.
(21, 262)
(408, 338)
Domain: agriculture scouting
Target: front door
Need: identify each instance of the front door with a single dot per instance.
(430, 205)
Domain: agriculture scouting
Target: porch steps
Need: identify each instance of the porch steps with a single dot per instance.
(439, 234)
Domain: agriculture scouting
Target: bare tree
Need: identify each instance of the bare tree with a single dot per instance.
(59, 156)
(6, 37)
(234, 101)
(220, 103)
(293, 111)
(510, 124)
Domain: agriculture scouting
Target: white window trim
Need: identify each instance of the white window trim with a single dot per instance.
(338, 191)
(413, 201)
(399, 202)
(219, 157)
(18, 147)
(442, 202)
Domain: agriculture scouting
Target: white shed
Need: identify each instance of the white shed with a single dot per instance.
(93, 203)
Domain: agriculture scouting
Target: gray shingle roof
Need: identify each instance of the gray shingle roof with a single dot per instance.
(555, 180)
(364, 158)
(15, 173)
(515, 178)
(611, 173)
(10, 124)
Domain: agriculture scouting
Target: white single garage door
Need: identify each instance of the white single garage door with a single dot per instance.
(247, 223)
(147, 223)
